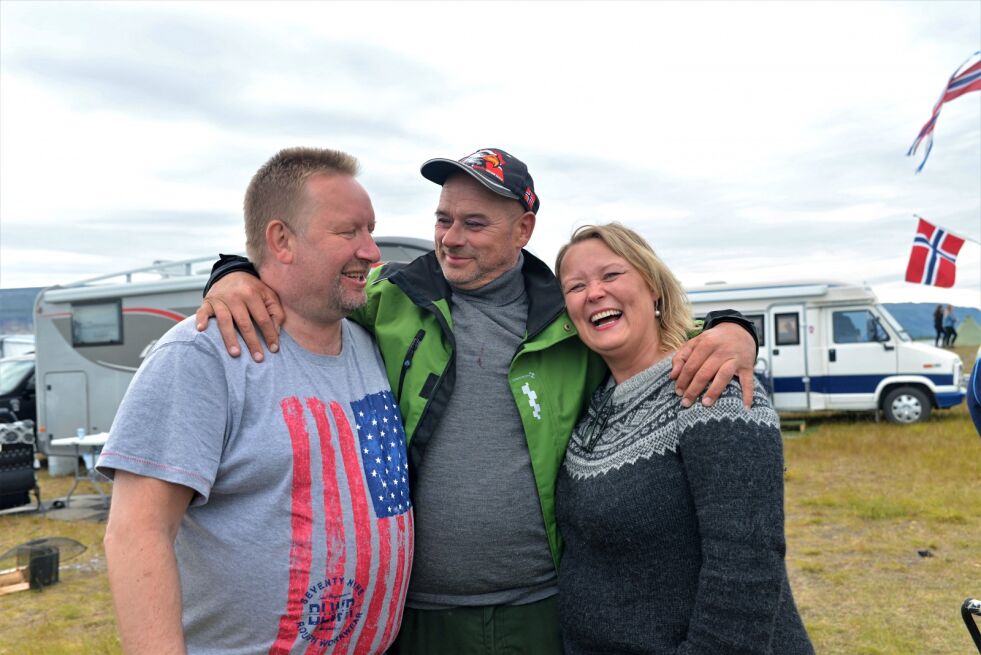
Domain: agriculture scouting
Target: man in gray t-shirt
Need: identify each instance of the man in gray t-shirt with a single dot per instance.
(266, 508)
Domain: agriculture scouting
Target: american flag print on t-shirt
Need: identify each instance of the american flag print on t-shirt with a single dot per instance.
(352, 602)
(383, 453)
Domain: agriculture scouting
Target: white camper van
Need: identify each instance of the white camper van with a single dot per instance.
(92, 335)
(832, 346)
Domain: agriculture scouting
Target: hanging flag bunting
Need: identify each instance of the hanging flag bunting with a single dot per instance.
(934, 256)
(961, 82)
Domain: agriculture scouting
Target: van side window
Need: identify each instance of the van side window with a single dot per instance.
(97, 323)
(857, 326)
(758, 324)
(788, 329)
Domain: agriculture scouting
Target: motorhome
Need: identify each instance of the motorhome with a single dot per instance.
(92, 335)
(831, 346)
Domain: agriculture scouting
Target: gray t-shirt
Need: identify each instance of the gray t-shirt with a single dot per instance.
(300, 529)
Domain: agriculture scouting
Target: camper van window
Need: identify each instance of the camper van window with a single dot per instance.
(758, 324)
(97, 324)
(788, 333)
(857, 326)
(13, 372)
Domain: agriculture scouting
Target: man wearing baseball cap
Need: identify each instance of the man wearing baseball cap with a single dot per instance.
(490, 378)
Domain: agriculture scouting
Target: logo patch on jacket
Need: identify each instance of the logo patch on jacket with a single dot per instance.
(536, 409)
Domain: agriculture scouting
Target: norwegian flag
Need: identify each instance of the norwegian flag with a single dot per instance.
(934, 256)
(960, 82)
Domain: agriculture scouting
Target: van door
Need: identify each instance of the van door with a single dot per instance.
(788, 357)
(861, 352)
(66, 403)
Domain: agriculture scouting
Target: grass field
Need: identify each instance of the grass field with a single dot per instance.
(862, 499)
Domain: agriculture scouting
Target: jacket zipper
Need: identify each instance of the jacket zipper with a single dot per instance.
(407, 360)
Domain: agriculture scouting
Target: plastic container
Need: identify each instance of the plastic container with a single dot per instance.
(60, 466)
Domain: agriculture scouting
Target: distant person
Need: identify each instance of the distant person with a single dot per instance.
(938, 325)
(264, 508)
(672, 517)
(950, 324)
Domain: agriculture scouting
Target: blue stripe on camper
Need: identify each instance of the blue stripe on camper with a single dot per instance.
(788, 385)
(846, 383)
(951, 399)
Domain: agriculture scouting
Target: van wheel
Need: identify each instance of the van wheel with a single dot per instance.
(906, 405)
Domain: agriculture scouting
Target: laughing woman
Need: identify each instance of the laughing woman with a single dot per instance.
(672, 517)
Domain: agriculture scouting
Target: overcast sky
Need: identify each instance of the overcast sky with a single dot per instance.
(746, 141)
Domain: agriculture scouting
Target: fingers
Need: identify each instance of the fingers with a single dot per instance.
(226, 326)
(236, 300)
(746, 382)
(242, 313)
(719, 382)
(679, 359)
(687, 362)
(277, 316)
(695, 376)
(205, 312)
(256, 309)
(709, 361)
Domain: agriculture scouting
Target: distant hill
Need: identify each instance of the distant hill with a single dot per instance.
(917, 317)
(17, 310)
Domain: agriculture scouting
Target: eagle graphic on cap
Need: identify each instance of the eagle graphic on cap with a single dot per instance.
(487, 160)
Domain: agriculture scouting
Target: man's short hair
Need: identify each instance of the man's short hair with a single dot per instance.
(276, 190)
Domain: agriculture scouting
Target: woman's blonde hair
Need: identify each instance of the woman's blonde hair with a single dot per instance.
(675, 320)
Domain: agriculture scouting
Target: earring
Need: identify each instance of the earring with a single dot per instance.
(657, 309)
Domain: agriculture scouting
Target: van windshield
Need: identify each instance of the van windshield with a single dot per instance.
(893, 323)
(13, 372)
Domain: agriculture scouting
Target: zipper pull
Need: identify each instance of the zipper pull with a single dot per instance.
(407, 360)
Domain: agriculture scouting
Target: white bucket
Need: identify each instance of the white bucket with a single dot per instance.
(60, 466)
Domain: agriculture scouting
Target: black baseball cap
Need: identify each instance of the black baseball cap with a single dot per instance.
(494, 168)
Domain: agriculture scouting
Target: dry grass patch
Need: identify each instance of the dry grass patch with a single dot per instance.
(75, 615)
(862, 499)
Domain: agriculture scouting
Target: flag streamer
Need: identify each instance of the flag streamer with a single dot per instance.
(961, 82)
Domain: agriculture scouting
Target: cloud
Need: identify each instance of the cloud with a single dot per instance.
(234, 76)
(130, 130)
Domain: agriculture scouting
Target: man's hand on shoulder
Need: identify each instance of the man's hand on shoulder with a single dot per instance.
(709, 361)
(235, 301)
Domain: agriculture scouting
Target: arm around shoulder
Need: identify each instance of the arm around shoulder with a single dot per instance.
(236, 297)
(726, 347)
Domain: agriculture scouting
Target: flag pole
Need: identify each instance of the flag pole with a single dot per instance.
(959, 236)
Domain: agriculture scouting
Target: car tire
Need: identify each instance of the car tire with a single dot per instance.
(906, 405)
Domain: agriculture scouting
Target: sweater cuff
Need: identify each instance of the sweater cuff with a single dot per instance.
(731, 316)
(229, 264)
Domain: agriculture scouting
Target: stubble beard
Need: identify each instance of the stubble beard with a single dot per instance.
(479, 273)
(343, 303)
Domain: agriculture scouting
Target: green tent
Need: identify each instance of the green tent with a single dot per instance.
(968, 332)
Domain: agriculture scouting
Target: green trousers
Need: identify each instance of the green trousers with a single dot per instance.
(531, 629)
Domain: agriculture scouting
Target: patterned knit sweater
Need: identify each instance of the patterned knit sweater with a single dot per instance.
(673, 526)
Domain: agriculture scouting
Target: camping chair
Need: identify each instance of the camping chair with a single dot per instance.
(17, 477)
